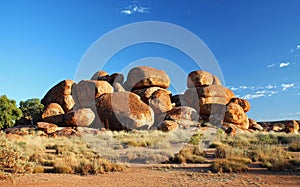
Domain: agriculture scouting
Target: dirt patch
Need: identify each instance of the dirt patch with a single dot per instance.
(159, 176)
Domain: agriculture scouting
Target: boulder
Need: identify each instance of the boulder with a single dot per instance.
(82, 117)
(183, 113)
(160, 101)
(209, 92)
(116, 78)
(145, 76)
(254, 125)
(118, 87)
(292, 127)
(15, 138)
(242, 102)
(63, 88)
(66, 102)
(235, 114)
(124, 111)
(88, 90)
(201, 78)
(68, 131)
(168, 125)
(48, 128)
(100, 75)
(53, 113)
(158, 98)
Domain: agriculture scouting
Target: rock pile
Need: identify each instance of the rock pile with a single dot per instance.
(143, 101)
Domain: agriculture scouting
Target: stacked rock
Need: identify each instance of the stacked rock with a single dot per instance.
(214, 102)
(143, 102)
(151, 85)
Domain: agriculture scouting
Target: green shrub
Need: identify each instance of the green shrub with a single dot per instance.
(196, 139)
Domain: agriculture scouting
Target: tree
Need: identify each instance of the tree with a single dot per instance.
(32, 109)
(9, 112)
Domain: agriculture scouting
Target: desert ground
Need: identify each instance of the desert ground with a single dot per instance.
(191, 175)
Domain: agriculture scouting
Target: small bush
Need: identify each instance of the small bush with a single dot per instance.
(189, 154)
(294, 146)
(227, 165)
(196, 139)
(38, 169)
(11, 158)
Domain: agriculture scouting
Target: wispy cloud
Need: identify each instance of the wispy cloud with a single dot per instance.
(287, 86)
(253, 96)
(284, 64)
(271, 65)
(298, 47)
(135, 7)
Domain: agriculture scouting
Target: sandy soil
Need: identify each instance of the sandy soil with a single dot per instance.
(157, 176)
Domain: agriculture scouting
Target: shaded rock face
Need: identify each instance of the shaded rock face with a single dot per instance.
(124, 111)
(53, 113)
(82, 117)
(168, 125)
(116, 78)
(145, 76)
(61, 93)
(179, 100)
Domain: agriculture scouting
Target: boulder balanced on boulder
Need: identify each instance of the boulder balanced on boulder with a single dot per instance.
(144, 102)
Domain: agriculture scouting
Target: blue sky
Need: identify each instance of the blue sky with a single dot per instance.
(256, 43)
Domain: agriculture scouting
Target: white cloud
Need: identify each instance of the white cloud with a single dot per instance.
(298, 94)
(233, 88)
(284, 64)
(252, 96)
(135, 8)
(126, 12)
(286, 86)
(271, 65)
(244, 87)
(298, 47)
(271, 86)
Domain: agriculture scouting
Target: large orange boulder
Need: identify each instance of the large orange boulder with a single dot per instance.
(100, 75)
(242, 102)
(209, 92)
(183, 113)
(202, 78)
(48, 128)
(53, 113)
(82, 117)
(168, 125)
(88, 90)
(235, 114)
(292, 126)
(124, 111)
(61, 93)
(158, 98)
(145, 76)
